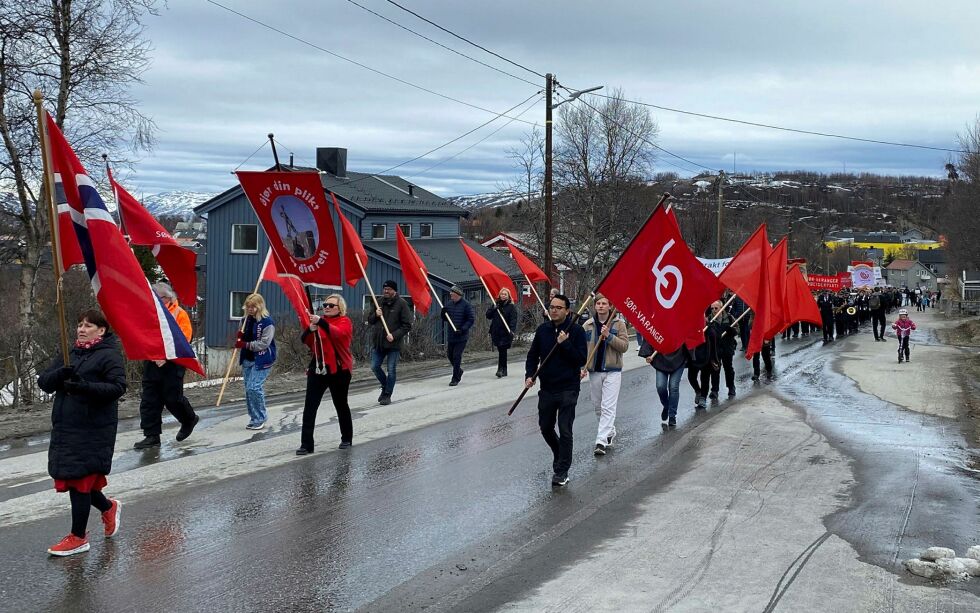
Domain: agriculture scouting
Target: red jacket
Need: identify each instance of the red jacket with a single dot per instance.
(903, 327)
(331, 344)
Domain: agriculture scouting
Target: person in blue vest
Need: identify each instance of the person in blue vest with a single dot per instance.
(460, 312)
(258, 352)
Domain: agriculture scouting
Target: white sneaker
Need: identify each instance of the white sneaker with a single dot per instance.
(255, 426)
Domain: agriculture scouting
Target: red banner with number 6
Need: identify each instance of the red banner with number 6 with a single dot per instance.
(659, 286)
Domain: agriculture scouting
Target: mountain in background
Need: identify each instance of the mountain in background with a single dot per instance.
(480, 201)
(175, 203)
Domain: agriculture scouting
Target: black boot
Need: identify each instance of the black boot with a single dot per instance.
(149, 441)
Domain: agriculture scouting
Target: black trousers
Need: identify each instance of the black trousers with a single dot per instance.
(163, 386)
(339, 385)
(700, 379)
(903, 348)
(726, 365)
(766, 358)
(558, 408)
(828, 326)
(81, 505)
(878, 317)
(502, 360)
(454, 351)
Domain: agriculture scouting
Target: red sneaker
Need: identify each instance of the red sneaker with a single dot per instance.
(111, 518)
(69, 545)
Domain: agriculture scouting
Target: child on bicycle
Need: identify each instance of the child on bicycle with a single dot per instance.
(903, 327)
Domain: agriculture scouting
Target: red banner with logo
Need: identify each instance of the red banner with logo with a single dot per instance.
(659, 286)
(833, 283)
(292, 208)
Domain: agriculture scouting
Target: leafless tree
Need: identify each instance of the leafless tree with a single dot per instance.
(961, 222)
(84, 56)
(528, 157)
(604, 153)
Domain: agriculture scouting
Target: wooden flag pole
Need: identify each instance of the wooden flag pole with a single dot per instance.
(541, 302)
(537, 371)
(234, 352)
(53, 223)
(374, 298)
(499, 314)
(439, 302)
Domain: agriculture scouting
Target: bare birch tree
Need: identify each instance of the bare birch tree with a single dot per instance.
(84, 56)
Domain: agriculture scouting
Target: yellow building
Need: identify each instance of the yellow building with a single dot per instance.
(890, 243)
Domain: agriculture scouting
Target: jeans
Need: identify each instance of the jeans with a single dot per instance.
(377, 357)
(558, 407)
(669, 389)
(255, 391)
(454, 351)
(604, 390)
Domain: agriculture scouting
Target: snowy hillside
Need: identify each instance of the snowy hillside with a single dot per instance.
(479, 201)
(174, 204)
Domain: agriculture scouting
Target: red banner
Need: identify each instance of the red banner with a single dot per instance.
(833, 283)
(291, 287)
(292, 208)
(659, 286)
(355, 258)
(415, 273)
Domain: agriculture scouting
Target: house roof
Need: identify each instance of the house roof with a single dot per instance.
(902, 265)
(868, 237)
(932, 256)
(444, 258)
(366, 191)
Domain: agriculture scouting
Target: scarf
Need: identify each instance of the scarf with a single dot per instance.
(87, 345)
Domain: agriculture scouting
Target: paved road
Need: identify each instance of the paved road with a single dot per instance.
(801, 487)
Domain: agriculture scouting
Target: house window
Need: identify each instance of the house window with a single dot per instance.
(236, 304)
(379, 231)
(244, 238)
(425, 230)
(406, 229)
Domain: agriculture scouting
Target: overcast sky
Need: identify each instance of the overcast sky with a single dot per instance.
(895, 70)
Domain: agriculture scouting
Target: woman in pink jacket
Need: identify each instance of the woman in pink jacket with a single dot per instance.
(903, 329)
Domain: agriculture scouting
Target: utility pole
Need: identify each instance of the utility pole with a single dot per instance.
(789, 240)
(548, 237)
(721, 204)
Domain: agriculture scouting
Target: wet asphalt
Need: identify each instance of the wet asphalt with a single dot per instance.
(461, 516)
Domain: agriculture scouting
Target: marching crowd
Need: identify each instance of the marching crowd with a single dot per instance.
(566, 348)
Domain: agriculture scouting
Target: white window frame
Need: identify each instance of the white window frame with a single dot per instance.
(379, 225)
(244, 225)
(422, 227)
(235, 310)
(403, 226)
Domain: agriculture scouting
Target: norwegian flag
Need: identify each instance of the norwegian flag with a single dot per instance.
(144, 325)
(177, 262)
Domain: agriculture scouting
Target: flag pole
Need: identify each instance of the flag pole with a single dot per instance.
(53, 223)
(439, 302)
(374, 298)
(541, 302)
(234, 352)
(581, 309)
(499, 314)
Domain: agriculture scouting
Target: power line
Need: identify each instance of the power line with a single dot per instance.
(466, 40)
(441, 162)
(435, 42)
(356, 63)
(446, 144)
(643, 138)
(785, 129)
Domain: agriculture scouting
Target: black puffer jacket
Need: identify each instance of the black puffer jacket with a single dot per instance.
(499, 335)
(83, 422)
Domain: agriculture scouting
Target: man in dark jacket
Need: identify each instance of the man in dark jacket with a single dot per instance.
(726, 333)
(826, 305)
(387, 345)
(559, 377)
(460, 312)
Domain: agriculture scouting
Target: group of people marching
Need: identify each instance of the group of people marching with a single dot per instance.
(565, 350)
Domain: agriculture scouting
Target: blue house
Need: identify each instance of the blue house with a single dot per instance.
(377, 206)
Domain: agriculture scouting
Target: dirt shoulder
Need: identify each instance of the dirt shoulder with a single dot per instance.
(36, 419)
(966, 336)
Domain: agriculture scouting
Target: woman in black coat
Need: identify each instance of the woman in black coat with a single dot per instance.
(503, 309)
(83, 426)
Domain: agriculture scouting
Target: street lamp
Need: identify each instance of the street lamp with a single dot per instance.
(549, 260)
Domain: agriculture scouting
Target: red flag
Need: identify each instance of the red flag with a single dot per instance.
(529, 268)
(659, 286)
(415, 274)
(293, 211)
(495, 278)
(748, 276)
(777, 289)
(353, 248)
(144, 325)
(178, 263)
(291, 287)
(799, 301)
